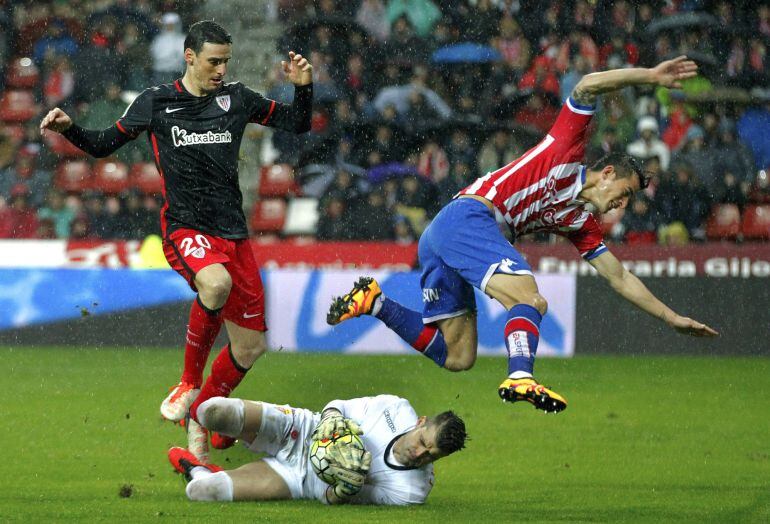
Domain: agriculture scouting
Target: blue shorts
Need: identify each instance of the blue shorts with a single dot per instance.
(461, 249)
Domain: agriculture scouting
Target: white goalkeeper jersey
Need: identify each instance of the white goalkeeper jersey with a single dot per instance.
(382, 419)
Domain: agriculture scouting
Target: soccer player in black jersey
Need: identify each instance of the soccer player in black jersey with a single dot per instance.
(195, 126)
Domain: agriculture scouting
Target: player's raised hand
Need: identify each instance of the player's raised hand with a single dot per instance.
(297, 70)
(688, 326)
(671, 72)
(56, 120)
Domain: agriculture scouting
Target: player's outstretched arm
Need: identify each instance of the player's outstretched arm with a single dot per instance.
(96, 143)
(632, 289)
(669, 73)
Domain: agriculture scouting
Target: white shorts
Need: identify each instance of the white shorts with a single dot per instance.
(285, 437)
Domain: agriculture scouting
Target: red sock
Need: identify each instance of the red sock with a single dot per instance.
(202, 331)
(226, 374)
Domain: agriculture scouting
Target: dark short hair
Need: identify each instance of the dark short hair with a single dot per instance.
(625, 166)
(450, 435)
(206, 31)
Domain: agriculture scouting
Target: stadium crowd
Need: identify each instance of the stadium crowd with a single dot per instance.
(413, 100)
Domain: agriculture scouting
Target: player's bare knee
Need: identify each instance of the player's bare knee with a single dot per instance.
(214, 287)
(219, 288)
(540, 303)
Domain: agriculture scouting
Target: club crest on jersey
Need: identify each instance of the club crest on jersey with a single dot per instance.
(223, 101)
(549, 217)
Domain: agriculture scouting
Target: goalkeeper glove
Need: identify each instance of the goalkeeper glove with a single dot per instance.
(348, 482)
(345, 455)
(332, 422)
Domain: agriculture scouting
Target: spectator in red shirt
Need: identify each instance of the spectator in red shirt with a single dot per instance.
(578, 43)
(618, 52)
(540, 77)
(513, 46)
(18, 219)
(759, 192)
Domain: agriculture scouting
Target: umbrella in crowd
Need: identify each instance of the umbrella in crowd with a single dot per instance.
(681, 21)
(465, 53)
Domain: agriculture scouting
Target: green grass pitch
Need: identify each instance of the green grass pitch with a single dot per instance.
(643, 439)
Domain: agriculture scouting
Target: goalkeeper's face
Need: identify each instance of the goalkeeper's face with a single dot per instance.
(418, 447)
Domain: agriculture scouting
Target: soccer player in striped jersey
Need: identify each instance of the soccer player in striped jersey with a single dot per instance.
(547, 189)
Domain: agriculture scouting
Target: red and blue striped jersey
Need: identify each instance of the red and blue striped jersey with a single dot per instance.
(538, 191)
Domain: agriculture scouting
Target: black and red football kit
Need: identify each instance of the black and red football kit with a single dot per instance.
(195, 141)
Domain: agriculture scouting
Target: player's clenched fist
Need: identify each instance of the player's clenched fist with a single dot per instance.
(350, 481)
(333, 423)
(56, 120)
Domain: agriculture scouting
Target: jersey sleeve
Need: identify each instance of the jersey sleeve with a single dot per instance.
(259, 108)
(571, 127)
(137, 116)
(588, 238)
(294, 117)
(354, 409)
(357, 408)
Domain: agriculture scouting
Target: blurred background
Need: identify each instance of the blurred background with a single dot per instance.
(414, 99)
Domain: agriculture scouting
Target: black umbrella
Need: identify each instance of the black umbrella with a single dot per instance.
(680, 21)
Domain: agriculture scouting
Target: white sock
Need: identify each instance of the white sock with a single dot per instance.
(223, 415)
(200, 472)
(377, 304)
(212, 487)
(515, 375)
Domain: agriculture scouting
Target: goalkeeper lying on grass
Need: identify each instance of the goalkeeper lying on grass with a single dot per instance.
(395, 469)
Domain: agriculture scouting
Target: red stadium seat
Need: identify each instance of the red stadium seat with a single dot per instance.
(73, 176)
(61, 146)
(756, 222)
(268, 216)
(15, 133)
(145, 177)
(110, 177)
(18, 106)
(22, 73)
(724, 222)
(641, 237)
(277, 180)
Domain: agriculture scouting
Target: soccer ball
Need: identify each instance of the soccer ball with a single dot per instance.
(319, 453)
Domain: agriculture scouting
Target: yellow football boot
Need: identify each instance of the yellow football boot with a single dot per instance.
(359, 301)
(515, 389)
